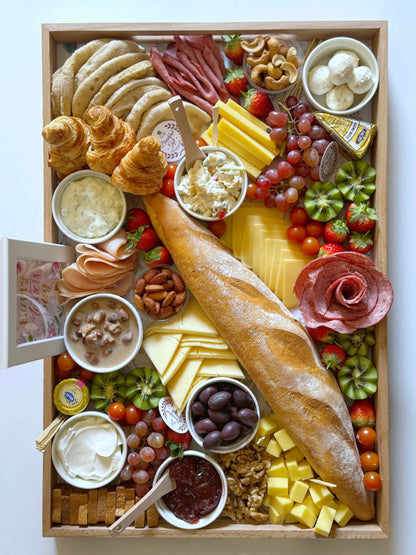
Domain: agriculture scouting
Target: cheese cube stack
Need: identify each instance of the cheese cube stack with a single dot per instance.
(188, 350)
(294, 494)
(257, 236)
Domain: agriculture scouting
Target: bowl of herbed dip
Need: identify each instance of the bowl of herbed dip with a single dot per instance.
(214, 187)
(88, 208)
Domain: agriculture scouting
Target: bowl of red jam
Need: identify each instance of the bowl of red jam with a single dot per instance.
(200, 494)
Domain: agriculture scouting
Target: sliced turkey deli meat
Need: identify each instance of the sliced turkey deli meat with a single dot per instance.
(104, 268)
(272, 346)
(344, 291)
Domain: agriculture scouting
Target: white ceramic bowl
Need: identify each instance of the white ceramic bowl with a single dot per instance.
(78, 481)
(170, 517)
(241, 441)
(130, 353)
(322, 53)
(57, 214)
(181, 170)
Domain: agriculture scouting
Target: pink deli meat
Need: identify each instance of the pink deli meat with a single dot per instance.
(343, 291)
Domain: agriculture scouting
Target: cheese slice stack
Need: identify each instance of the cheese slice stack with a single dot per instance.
(186, 351)
(257, 236)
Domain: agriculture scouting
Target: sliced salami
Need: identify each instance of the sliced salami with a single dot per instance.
(344, 291)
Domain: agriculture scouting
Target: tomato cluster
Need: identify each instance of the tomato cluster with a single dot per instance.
(65, 367)
(304, 231)
(366, 438)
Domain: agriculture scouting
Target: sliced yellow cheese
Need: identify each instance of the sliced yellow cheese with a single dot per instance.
(197, 380)
(206, 352)
(228, 129)
(246, 114)
(289, 255)
(274, 250)
(178, 386)
(260, 236)
(256, 222)
(291, 270)
(204, 341)
(179, 358)
(226, 368)
(160, 348)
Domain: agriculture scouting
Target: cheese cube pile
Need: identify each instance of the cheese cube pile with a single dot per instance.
(294, 494)
(188, 350)
(257, 236)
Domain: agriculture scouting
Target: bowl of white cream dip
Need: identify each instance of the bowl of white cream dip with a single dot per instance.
(213, 188)
(88, 208)
(89, 450)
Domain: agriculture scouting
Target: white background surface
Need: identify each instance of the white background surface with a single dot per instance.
(21, 216)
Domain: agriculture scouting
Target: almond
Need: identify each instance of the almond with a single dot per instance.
(138, 301)
(154, 288)
(147, 276)
(161, 277)
(178, 283)
(169, 298)
(139, 286)
(179, 299)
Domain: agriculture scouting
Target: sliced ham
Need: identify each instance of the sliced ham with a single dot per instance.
(344, 292)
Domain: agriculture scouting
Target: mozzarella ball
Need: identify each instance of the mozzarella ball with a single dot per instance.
(319, 81)
(339, 98)
(340, 67)
(353, 55)
(361, 81)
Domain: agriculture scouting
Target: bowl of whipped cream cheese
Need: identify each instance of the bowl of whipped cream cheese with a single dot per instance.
(88, 208)
(89, 450)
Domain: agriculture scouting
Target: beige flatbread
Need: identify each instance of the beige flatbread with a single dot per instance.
(124, 105)
(62, 88)
(92, 84)
(111, 50)
(140, 70)
(132, 88)
(145, 103)
(198, 119)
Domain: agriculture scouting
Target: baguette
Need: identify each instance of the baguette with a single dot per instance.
(272, 346)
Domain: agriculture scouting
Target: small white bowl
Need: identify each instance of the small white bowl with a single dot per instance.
(206, 520)
(241, 441)
(78, 481)
(181, 170)
(322, 53)
(57, 213)
(134, 347)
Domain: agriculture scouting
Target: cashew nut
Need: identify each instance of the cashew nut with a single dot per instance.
(276, 84)
(290, 70)
(274, 71)
(256, 74)
(278, 60)
(273, 45)
(255, 46)
(262, 59)
(292, 56)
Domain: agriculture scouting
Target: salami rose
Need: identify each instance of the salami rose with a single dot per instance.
(344, 291)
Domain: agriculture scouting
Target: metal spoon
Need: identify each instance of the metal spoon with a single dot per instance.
(192, 152)
(161, 488)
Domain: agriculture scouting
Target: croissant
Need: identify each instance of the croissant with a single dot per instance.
(69, 139)
(142, 169)
(111, 139)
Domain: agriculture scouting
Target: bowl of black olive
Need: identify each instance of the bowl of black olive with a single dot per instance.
(222, 415)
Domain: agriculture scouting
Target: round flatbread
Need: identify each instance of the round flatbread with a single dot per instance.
(62, 89)
(144, 103)
(198, 119)
(107, 52)
(143, 68)
(127, 101)
(132, 89)
(92, 84)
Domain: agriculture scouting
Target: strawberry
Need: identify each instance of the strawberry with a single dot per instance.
(178, 443)
(330, 248)
(360, 217)
(257, 103)
(136, 218)
(335, 231)
(332, 357)
(362, 413)
(360, 242)
(143, 239)
(233, 49)
(321, 334)
(158, 255)
(235, 81)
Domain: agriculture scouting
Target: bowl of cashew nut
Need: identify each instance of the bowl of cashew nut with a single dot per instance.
(271, 64)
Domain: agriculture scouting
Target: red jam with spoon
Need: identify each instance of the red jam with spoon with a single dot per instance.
(198, 488)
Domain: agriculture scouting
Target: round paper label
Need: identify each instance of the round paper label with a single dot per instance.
(175, 421)
(328, 161)
(170, 139)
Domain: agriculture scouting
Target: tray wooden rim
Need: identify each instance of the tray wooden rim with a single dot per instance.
(377, 32)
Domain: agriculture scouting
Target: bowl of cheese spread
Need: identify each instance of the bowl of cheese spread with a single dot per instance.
(88, 208)
(213, 188)
(89, 450)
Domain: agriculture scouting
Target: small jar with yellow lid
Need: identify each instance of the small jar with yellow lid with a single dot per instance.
(71, 396)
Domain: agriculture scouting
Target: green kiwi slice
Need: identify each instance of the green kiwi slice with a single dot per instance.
(107, 388)
(358, 377)
(323, 201)
(144, 388)
(356, 181)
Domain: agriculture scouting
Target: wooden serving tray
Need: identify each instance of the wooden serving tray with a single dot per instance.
(374, 33)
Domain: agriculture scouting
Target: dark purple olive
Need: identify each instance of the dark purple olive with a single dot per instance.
(248, 417)
(198, 409)
(212, 440)
(245, 429)
(233, 412)
(231, 430)
(204, 426)
(219, 400)
(242, 399)
(206, 393)
(220, 417)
